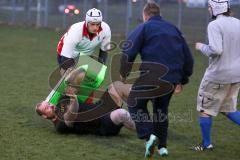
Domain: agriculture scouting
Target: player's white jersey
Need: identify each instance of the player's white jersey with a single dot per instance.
(77, 41)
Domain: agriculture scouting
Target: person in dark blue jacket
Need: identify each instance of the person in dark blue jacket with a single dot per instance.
(167, 64)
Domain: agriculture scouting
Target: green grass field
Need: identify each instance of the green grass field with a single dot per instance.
(27, 59)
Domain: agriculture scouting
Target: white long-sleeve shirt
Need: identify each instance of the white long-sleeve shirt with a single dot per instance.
(76, 41)
(223, 50)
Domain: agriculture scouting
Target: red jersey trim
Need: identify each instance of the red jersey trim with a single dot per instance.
(60, 46)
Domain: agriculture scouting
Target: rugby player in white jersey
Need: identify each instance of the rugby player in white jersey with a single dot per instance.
(84, 38)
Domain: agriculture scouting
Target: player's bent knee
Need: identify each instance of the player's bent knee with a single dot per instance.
(120, 116)
(124, 115)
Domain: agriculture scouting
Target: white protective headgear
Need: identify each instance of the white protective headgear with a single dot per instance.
(219, 6)
(93, 15)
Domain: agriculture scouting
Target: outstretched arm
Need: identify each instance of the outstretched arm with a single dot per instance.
(102, 58)
(72, 111)
(119, 92)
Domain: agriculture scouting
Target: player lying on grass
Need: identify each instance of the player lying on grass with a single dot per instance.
(65, 117)
(108, 125)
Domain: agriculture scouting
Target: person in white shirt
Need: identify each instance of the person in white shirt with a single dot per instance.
(220, 85)
(84, 38)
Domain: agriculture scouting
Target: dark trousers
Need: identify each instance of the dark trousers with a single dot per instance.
(156, 124)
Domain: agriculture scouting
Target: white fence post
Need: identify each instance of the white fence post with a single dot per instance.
(46, 13)
(105, 10)
(38, 20)
(180, 13)
(129, 16)
(64, 15)
(13, 15)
